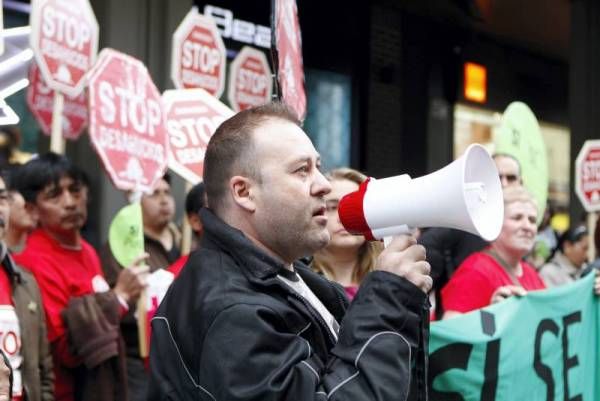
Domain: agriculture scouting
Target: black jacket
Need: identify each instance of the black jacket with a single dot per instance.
(229, 329)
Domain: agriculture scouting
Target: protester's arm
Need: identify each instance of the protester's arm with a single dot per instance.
(56, 296)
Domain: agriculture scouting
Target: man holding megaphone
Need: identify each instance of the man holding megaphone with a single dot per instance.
(245, 321)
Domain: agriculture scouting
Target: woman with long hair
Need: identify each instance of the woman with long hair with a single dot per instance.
(347, 258)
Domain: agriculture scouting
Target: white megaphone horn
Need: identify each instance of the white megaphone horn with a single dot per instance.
(466, 195)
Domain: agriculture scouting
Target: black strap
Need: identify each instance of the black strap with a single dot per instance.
(504, 265)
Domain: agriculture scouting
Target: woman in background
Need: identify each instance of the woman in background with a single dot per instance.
(347, 258)
(498, 271)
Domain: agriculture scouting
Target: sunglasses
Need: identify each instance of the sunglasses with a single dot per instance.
(509, 177)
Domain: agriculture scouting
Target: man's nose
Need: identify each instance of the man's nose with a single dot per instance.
(67, 199)
(321, 185)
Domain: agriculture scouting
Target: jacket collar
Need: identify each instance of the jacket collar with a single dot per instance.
(13, 271)
(235, 243)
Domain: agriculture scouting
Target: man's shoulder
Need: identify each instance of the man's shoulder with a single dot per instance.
(213, 281)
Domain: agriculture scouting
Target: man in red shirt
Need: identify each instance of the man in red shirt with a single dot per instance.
(82, 314)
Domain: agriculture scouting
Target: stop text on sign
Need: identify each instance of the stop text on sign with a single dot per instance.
(129, 108)
(65, 28)
(64, 38)
(192, 117)
(198, 59)
(251, 79)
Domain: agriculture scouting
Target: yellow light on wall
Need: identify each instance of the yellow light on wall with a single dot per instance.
(475, 82)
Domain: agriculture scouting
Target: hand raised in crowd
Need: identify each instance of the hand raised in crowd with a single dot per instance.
(4, 380)
(506, 291)
(132, 280)
(405, 258)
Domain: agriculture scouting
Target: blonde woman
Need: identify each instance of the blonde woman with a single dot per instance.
(347, 258)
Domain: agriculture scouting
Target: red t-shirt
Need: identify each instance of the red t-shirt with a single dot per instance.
(62, 273)
(472, 285)
(176, 267)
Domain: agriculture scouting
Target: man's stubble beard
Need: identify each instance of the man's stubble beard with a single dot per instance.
(293, 242)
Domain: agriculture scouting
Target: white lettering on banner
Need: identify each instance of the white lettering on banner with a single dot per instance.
(66, 55)
(194, 130)
(199, 57)
(114, 139)
(238, 30)
(590, 186)
(45, 103)
(10, 343)
(192, 78)
(65, 28)
(143, 114)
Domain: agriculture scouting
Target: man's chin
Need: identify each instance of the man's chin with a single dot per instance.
(322, 239)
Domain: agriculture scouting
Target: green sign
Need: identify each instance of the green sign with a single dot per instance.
(541, 347)
(126, 234)
(519, 136)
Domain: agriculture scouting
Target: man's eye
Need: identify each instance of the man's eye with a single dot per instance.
(303, 169)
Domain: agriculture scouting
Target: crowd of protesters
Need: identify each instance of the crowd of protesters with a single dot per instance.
(276, 301)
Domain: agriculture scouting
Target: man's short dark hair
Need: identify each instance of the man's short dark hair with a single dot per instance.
(43, 170)
(194, 200)
(230, 149)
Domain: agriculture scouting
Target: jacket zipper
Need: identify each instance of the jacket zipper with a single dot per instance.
(317, 316)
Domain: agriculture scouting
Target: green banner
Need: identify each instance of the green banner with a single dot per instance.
(541, 347)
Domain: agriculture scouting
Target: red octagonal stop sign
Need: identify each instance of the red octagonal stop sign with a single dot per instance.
(126, 121)
(64, 37)
(250, 81)
(587, 175)
(40, 100)
(198, 57)
(192, 117)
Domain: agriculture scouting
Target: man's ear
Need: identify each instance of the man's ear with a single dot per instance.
(241, 189)
(195, 223)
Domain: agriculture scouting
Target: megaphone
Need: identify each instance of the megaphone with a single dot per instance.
(466, 195)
